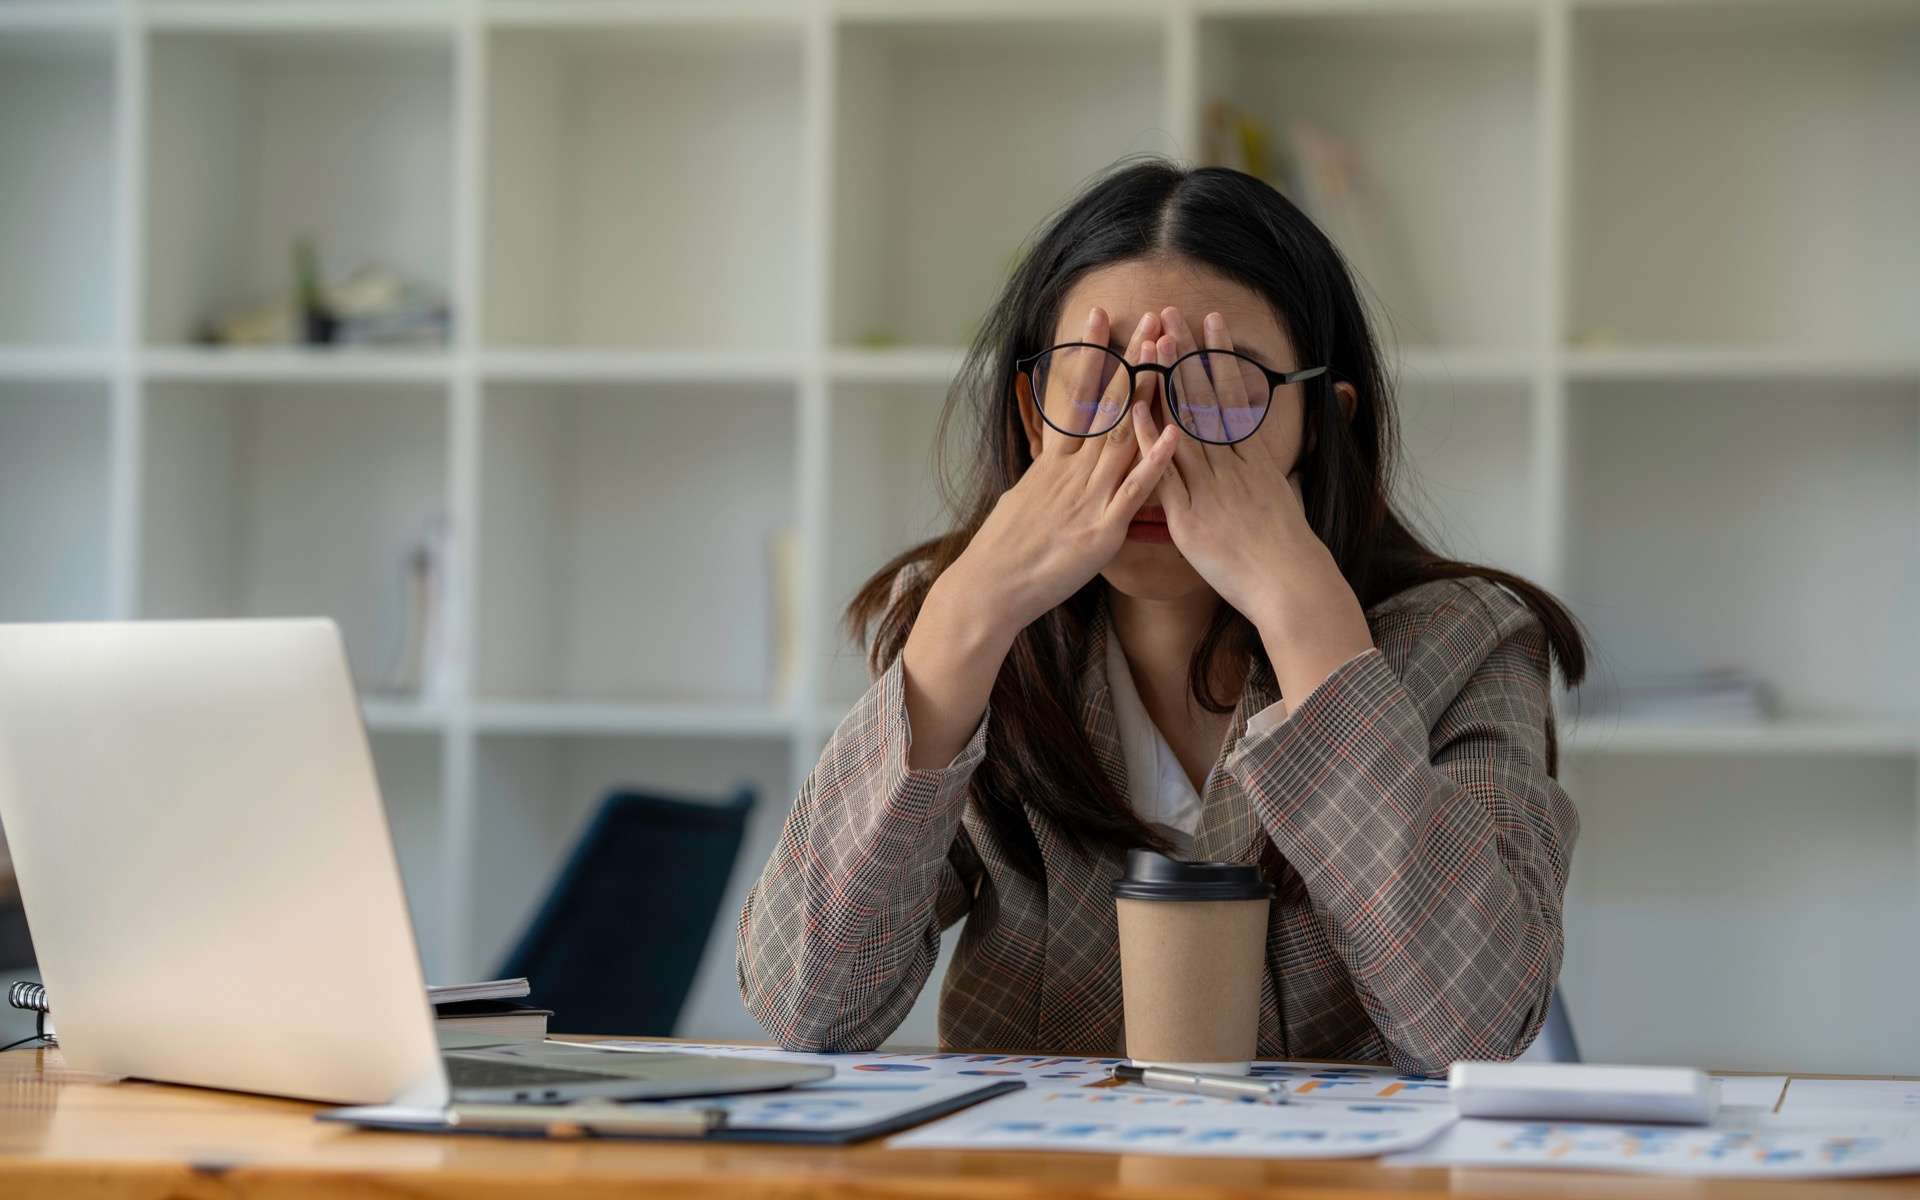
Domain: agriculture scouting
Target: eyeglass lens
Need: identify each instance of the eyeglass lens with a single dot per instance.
(1217, 398)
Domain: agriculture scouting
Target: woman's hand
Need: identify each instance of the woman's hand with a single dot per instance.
(1237, 515)
(1067, 516)
(1048, 534)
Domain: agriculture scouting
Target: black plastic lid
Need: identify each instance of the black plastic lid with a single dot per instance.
(1152, 876)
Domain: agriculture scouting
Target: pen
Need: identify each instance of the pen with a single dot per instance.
(586, 1117)
(1227, 1087)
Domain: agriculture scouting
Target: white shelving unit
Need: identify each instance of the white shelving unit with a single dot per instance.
(1650, 299)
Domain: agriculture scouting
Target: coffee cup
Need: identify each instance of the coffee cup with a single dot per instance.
(1193, 942)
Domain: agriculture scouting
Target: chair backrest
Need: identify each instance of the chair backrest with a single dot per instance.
(1557, 1034)
(615, 946)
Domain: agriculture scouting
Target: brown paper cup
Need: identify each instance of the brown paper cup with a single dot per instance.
(1192, 946)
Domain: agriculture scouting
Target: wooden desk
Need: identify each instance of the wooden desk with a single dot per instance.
(66, 1134)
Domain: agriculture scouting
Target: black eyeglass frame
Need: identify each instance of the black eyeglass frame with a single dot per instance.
(1275, 380)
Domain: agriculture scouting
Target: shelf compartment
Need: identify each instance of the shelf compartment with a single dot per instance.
(56, 16)
(628, 542)
(652, 15)
(257, 138)
(57, 269)
(1743, 362)
(1467, 478)
(676, 720)
(1606, 734)
(55, 447)
(899, 364)
(1761, 526)
(1746, 181)
(954, 140)
(385, 713)
(643, 366)
(1440, 113)
(304, 16)
(641, 186)
(36, 364)
(292, 500)
(535, 796)
(409, 768)
(1715, 900)
(882, 499)
(296, 364)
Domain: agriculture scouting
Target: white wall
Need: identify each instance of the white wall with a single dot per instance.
(1644, 272)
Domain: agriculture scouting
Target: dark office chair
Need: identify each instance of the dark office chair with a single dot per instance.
(615, 946)
(1556, 1036)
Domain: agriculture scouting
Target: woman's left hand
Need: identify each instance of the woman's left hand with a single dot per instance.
(1237, 514)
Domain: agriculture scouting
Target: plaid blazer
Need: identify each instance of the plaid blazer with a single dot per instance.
(1404, 812)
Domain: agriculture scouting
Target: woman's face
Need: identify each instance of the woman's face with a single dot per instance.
(1148, 565)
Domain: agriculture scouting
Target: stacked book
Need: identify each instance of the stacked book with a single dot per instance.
(493, 1007)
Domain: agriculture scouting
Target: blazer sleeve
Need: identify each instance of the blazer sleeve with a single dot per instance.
(842, 930)
(1438, 856)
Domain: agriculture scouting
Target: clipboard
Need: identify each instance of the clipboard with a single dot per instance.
(832, 1112)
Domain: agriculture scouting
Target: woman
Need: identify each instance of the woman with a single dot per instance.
(1181, 612)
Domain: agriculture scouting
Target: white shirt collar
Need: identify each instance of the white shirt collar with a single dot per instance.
(1157, 785)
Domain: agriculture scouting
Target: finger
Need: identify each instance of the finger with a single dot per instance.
(1238, 385)
(1071, 385)
(1192, 452)
(1201, 412)
(1193, 389)
(1120, 438)
(1173, 493)
(1141, 423)
(1114, 394)
(1145, 476)
(1119, 450)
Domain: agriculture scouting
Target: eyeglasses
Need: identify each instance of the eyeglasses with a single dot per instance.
(1217, 396)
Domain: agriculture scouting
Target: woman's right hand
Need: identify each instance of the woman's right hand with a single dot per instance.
(1066, 517)
(1048, 534)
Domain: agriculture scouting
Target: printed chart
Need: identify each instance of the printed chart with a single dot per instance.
(1771, 1149)
(1308, 1081)
(1134, 1120)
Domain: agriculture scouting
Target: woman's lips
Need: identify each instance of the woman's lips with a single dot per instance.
(1149, 525)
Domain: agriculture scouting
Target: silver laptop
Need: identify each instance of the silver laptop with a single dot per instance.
(212, 888)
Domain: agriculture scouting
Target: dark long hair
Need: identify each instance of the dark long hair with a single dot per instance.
(1243, 229)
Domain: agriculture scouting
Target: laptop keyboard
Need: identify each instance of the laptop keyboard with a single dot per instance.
(492, 1073)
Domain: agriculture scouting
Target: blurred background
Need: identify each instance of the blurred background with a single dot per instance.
(581, 358)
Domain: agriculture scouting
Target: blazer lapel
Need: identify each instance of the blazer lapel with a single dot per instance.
(1080, 1000)
(1228, 831)
(1096, 701)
